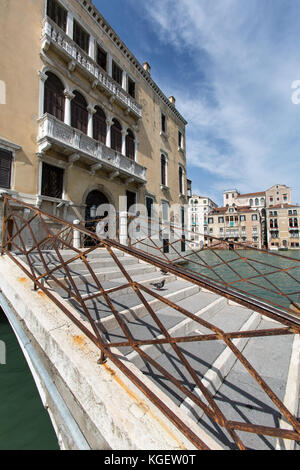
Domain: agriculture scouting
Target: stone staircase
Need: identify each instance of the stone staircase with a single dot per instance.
(236, 393)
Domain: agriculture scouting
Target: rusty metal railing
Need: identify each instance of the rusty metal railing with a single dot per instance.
(29, 233)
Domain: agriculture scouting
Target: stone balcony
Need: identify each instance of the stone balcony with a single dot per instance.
(54, 36)
(77, 145)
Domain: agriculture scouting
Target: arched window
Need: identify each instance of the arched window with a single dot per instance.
(163, 166)
(257, 202)
(251, 202)
(262, 201)
(79, 112)
(130, 144)
(99, 125)
(54, 99)
(180, 180)
(116, 136)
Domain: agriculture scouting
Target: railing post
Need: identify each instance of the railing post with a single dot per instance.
(123, 228)
(76, 236)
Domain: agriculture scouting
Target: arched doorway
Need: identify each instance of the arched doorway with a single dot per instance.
(94, 199)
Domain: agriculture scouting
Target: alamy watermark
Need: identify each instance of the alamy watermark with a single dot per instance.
(2, 353)
(2, 92)
(137, 223)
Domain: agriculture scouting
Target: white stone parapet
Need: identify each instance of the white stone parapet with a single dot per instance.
(51, 130)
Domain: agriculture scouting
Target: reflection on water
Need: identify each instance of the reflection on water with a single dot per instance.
(24, 423)
(253, 272)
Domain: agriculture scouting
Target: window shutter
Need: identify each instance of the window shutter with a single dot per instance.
(102, 58)
(99, 126)
(130, 146)
(81, 37)
(57, 13)
(5, 168)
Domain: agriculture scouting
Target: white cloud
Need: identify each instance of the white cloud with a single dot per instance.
(249, 134)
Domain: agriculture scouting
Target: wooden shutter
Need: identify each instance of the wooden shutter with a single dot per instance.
(130, 146)
(117, 73)
(116, 137)
(99, 126)
(5, 168)
(163, 170)
(57, 13)
(81, 38)
(131, 87)
(54, 99)
(101, 58)
(79, 113)
(180, 180)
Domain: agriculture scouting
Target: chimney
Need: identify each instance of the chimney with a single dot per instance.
(147, 67)
(172, 100)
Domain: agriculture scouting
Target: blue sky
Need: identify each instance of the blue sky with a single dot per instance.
(230, 65)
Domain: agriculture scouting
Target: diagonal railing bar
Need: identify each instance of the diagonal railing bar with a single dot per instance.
(246, 280)
(284, 411)
(86, 311)
(211, 337)
(242, 279)
(264, 430)
(24, 248)
(250, 369)
(264, 276)
(109, 291)
(226, 288)
(26, 224)
(218, 415)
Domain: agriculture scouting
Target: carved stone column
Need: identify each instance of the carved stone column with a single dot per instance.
(91, 111)
(69, 97)
(109, 123)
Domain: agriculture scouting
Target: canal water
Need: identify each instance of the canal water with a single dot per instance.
(253, 272)
(24, 423)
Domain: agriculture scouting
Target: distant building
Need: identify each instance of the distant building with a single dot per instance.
(283, 226)
(198, 212)
(278, 228)
(235, 224)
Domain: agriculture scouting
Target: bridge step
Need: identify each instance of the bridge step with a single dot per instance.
(235, 391)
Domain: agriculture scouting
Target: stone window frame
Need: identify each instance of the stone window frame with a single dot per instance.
(13, 149)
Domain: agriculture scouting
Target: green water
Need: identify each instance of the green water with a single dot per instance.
(24, 423)
(258, 274)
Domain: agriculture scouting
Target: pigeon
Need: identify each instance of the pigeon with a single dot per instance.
(158, 285)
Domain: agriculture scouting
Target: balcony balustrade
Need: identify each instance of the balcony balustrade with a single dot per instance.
(72, 142)
(53, 35)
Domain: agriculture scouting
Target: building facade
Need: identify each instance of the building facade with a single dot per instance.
(283, 227)
(235, 224)
(278, 217)
(83, 123)
(198, 211)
